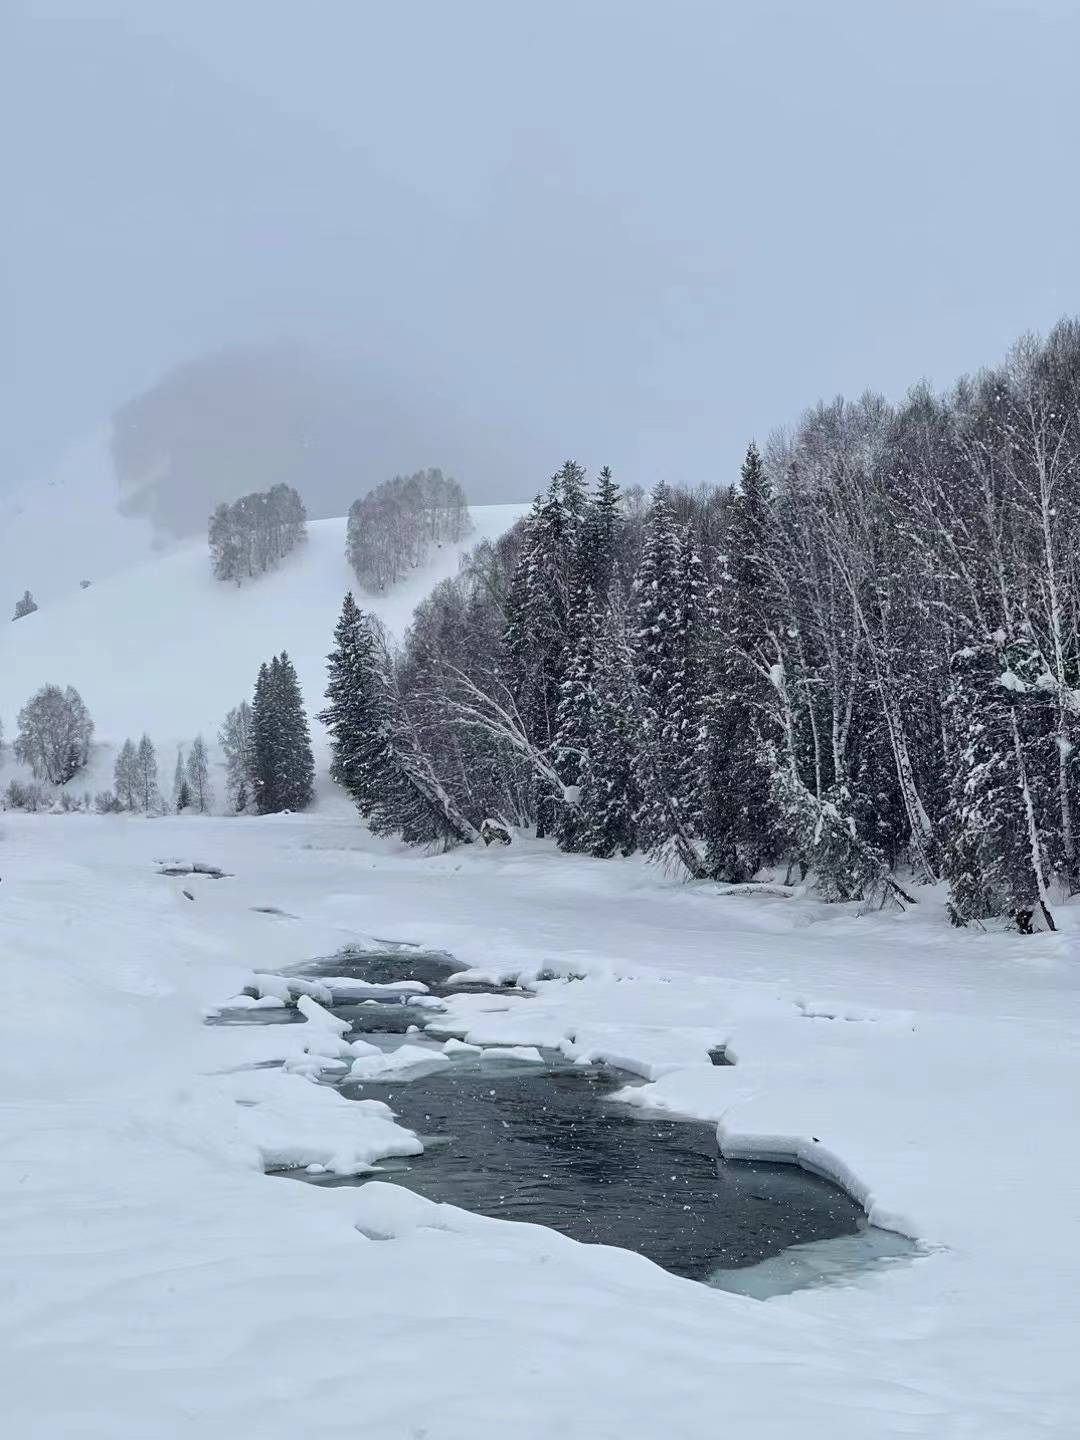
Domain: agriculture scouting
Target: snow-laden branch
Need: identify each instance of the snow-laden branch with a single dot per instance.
(495, 713)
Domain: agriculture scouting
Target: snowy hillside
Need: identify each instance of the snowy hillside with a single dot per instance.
(67, 528)
(165, 648)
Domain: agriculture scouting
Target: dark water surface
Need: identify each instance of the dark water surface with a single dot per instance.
(546, 1144)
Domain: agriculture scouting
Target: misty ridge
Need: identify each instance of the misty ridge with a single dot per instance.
(244, 419)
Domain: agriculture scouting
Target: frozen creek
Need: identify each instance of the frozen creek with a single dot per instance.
(532, 1137)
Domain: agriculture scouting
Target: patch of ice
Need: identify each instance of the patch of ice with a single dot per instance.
(524, 1054)
(460, 1047)
(397, 1063)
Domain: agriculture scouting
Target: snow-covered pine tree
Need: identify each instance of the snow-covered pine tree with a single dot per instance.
(266, 744)
(377, 755)
(147, 789)
(298, 780)
(656, 648)
(348, 713)
(281, 743)
(573, 492)
(535, 639)
(125, 776)
(596, 549)
(609, 803)
(235, 738)
(684, 730)
(26, 606)
(740, 820)
(197, 777)
(181, 793)
(576, 716)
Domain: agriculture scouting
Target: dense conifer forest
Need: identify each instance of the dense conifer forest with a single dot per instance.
(856, 668)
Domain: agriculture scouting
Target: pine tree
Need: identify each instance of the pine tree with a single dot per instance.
(740, 820)
(348, 711)
(26, 606)
(147, 790)
(235, 738)
(597, 546)
(610, 800)
(576, 717)
(197, 777)
(656, 653)
(377, 756)
(573, 492)
(535, 640)
(684, 732)
(125, 776)
(283, 765)
(265, 741)
(181, 790)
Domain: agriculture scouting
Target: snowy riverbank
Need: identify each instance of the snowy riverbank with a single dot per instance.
(156, 1284)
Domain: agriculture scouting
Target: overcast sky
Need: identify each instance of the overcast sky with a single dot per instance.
(633, 233)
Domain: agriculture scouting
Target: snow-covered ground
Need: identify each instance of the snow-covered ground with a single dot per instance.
(164, 648)
(155, 1283)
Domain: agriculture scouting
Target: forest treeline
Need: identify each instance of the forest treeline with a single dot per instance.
(858, 664)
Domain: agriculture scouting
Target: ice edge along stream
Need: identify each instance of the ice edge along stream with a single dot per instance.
(536, 1138)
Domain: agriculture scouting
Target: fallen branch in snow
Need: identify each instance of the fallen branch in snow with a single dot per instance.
(762, 887)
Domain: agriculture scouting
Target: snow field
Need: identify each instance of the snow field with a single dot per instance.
(156, 1280)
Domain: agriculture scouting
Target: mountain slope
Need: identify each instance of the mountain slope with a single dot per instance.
(68, 528)
(167, 649)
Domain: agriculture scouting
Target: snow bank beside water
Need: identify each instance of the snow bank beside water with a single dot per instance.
(153, 1274)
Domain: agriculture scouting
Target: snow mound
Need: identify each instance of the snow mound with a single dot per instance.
(292, 1123)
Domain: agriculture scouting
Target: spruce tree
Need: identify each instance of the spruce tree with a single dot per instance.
(265, 740)
(148, 792)
(197, 777)
(377, 755)
(535, 639)
(741, 822)
(349, 713)
(283, 765)
(125, 776)
(684, 732)
(236, 740)
(181, 793)
(576, 717)
(610, 799)
(597, 546)
(573, 492)
(656, 655)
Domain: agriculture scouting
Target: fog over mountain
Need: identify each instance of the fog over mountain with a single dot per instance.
(634, 234)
